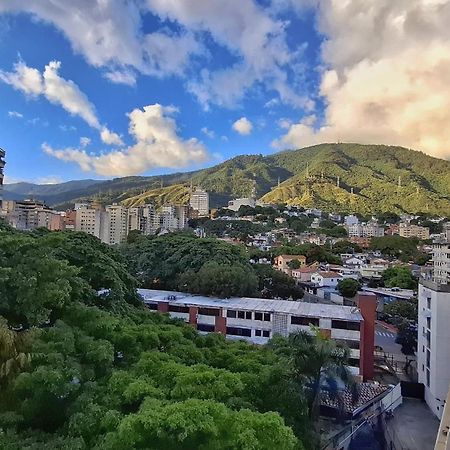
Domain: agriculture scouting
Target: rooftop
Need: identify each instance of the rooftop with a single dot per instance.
(338, 312)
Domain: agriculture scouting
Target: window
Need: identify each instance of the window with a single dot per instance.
(428, 378)
(153, 306)
(245, 315)
(205, 327)
(349, 343)
(258, 333)
(353, 362)
(235, 331)
(258, 316)
(266, 333)
(231, 314)
(429, 302)
(266, 317)
(300, 320)
(428, 358)
(345, 325)
(208, 311)
(178, 308)
(429, 323)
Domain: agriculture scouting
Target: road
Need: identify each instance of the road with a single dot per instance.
(385, 338)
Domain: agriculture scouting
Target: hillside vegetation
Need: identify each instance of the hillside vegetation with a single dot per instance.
(372, 179)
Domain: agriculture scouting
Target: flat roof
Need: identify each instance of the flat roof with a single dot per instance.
(299, 308)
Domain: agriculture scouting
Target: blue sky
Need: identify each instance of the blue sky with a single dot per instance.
(101, 89)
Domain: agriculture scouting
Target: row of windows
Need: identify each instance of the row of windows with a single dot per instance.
(246, 332)
(232, 314)
(295, 320)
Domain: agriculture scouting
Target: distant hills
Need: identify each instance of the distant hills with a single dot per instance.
(339, 177)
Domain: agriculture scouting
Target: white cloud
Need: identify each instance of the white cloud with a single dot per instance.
(15, 114)
(24, 78)
(59, 91)
(52, 179)
(65, 128)
(84, 141)
(257, 39)
(393, 89)
(110, 35)
(110, 138)
(224, 138)
(207, 132)
(157, 145)
(122, 76)
(243, 126)
(67, 94)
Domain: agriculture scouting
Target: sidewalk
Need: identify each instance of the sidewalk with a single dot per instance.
(413, 426)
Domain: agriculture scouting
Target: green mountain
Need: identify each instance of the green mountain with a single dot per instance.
(372, 178)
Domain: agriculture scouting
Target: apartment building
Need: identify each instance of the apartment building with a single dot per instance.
(407, 230)
(433, 338)
(116, 224)
(257, 320)
(27, 214)
(88, 219)
(235, 204)
(143, 219)
(199, 201)
(365, 230)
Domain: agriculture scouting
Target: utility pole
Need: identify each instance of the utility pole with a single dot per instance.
(338, 182)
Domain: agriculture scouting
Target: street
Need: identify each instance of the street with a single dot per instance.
(385, 338)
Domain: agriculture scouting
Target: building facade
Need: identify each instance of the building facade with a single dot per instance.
(433, 336)
(199, 201)
(281, 262)
(407, 230)
(257, 320)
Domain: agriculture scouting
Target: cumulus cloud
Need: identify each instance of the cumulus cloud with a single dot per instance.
(248, 32)
(60, 91)
(109, 137)
(15, 114)
(243, 126)
(391, 89)
(157, 144)
(207, 132)
(84, 141)
(123, 76)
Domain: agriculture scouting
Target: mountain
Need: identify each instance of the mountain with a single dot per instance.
(372, 178)
(50, 193)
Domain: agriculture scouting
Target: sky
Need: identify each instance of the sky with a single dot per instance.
(109, 88)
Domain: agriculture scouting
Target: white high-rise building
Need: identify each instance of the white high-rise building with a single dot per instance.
(88, 220)
(199, 201)
(433, 339)
(117, 223)
(142, 218)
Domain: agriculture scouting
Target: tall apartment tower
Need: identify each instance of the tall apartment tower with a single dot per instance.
(117, 218)
(199, 201)
(433, 339)
(88, 219)
(2, 165)
(142, 218)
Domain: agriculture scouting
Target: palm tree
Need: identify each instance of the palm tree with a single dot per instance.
(12, 360)
(319, 364)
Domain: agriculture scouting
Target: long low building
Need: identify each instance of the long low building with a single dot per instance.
(257, 320)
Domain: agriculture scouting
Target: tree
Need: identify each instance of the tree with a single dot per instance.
(400, 277)
(406, 337)
(319, 363)
(294, 264)
(348, 287)
(275, 284)
(406, 309)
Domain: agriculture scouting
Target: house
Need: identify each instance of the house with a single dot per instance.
(326, 279)
(282, 262)
(303, 274)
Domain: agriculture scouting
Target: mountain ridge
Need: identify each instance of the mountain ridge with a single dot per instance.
(372, 178)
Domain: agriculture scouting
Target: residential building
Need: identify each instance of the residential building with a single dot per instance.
(257, 320)
(365, 230)
(199, 201)
(235, 204)
(282, 262)
(2, 166)
(143, 219)
(117, 224)
(443, 435)
(433, 337)
(326, 279)
(303, 274)
(27, 214)
(351, 220)
(407, 230)
(88, 219)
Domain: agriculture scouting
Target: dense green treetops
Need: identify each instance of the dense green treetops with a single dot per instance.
(82, 371)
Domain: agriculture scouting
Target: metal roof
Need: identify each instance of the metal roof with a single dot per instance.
(299, 308)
